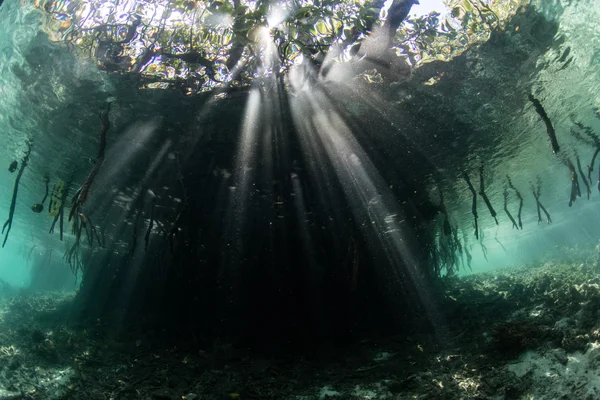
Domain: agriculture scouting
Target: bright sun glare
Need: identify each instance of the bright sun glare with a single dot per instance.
(427, 6)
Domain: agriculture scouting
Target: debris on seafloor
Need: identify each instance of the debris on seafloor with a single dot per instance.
(526, 322)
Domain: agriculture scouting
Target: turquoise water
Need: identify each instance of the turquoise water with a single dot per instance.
(49, 94)
(457, 113)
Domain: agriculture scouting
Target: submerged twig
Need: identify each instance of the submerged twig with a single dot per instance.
(484, 196)
(13, 203)
(474, 204)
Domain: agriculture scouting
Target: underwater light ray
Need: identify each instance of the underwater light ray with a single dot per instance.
(122, 214)
(381, 109)
(124, 152)
(370, 200)
(314, 273)
(315, 158)
(243, 174)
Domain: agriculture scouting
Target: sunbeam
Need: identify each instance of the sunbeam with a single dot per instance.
(328, 140)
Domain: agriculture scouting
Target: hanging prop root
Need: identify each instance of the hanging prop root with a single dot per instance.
(537, 193)
(508, 212)
(474, 204)
(13, 203)
(484, 196)
(510, 184)
(575, 191)
(61, 212)
(591, 166)
(583, 178)
(549, 128)
(83, 192)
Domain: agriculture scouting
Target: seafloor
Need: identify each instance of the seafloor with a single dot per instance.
(528, 333)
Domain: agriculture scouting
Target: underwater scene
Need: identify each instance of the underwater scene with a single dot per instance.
(299, 199)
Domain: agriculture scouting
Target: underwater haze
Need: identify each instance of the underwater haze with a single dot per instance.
(299, 199)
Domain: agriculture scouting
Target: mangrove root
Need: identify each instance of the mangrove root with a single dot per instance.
(583, 178)
(13, 203)
(575, 191)
(484, 196)
(508, 212)
(537, 193)
(510, 184)
(83, 192)
(549, 128)
(474, 204)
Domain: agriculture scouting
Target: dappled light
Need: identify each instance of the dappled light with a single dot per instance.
(200, 46)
